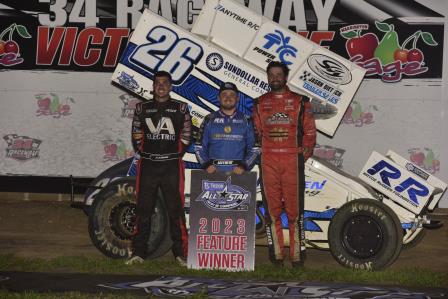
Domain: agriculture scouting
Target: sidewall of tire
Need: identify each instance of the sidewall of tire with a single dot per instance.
(389, 223)
(103, 236)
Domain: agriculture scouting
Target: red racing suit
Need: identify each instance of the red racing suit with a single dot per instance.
(284, 125)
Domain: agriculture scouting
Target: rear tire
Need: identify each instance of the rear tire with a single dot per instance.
(365, 234)
(112, 221)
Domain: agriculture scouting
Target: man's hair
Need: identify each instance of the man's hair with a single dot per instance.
(163, 74)
(280, 65)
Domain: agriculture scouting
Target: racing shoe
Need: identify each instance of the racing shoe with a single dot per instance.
(134, 260)
(181, 261)
(301, 262)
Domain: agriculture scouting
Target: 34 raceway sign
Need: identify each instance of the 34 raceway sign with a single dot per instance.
(198, 67)
(391, 42)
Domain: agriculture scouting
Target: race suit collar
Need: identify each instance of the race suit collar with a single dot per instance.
(226, 115)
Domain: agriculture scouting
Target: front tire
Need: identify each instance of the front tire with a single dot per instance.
(365, 234)
(112, 221)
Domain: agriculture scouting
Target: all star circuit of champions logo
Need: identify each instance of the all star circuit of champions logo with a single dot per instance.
(220, 195)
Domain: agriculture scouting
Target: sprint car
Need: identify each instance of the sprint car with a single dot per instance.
(362, 227)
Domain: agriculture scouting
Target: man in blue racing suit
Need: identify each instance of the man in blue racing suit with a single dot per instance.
(226, 140)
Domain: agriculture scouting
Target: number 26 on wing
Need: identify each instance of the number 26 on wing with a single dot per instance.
(165, 51)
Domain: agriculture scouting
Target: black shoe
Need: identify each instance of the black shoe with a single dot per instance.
(277, 263)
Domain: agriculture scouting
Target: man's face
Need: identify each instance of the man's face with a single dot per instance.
(228, 99)
(162, 87)
(276, 78)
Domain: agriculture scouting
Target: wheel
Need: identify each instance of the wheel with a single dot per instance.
(365, 234)
(118, 170)
(417, 239)
(112, 220)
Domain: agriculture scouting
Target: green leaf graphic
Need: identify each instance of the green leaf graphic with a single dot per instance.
(22, 31)
(384, 27)
(349, 34)
(428, 39)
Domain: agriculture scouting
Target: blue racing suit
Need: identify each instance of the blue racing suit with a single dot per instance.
(226, 141)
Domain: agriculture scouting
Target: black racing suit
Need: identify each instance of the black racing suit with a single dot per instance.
(161, 131)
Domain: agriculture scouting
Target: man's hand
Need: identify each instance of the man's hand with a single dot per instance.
(238, 170)
(307, 152)
(211, 169)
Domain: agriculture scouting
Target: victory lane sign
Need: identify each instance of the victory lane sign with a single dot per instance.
(222, 221)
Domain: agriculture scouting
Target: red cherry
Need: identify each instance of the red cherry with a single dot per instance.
(415, 55)
(65, 108)
(11, 47)
(2, 47)
(401, 54)
(364, 45)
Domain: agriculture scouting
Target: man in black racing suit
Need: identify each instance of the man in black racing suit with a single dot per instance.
(161, 131)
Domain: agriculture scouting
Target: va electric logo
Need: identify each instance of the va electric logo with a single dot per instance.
(214, 61)
(329, 69)
(281, 42)
(388, 173)
(220, 195)
(128, 81)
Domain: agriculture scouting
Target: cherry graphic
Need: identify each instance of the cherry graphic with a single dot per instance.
(401, 54)
(363, 45)
(11, 47)
(2, 47)
(44, 103)
(418, 158)
(415, 55)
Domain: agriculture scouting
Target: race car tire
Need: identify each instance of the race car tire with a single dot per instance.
(112, 219)
(365, 234)
(117, 171)
(417, 239)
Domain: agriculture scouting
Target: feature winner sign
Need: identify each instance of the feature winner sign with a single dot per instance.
(222, 221)
(200, 63)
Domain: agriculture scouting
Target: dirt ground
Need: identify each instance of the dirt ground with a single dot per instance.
(47, 228)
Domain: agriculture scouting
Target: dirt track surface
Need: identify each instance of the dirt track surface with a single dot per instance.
(48, 229)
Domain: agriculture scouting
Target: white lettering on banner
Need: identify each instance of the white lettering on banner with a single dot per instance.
(124, 11)
(299, 21)
(323, 12)
(82, 11)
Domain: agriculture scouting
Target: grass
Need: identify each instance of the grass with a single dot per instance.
(404, 277)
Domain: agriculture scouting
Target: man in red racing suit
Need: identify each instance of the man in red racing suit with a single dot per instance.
(286, 129)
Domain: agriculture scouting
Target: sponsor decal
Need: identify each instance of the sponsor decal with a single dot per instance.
(50, 104)
(175, 286)
(313, 188)
(222, 195)
(424, 158)
(214, 61)
(220, 8)
(358, 116)
(330, 154)
(278, 41)
(9, 48)
(115, 150)
(385, 174)
(243, 77)
(329, 69)
(387, 58)
(127, 81)
(22, 148)
(129, 103)
(319, 87)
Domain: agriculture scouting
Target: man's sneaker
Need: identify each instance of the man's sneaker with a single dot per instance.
(181, 261)
(277, 263)
(133, 260)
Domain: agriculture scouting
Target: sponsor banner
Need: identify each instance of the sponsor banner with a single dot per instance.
(175, 286)
(222, 221)
(391, 41)
(399, 184)
(430, 178)
(21, 148)
(325, 76)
